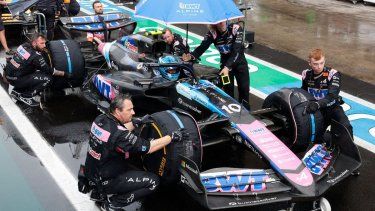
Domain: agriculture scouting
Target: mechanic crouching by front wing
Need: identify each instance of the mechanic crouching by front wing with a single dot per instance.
(112, 141)
(28, 71)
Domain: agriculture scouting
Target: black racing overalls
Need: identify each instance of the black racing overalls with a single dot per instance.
(178, 46)
(325, 87)
(110, 146)
(28, 71)
(230, 46)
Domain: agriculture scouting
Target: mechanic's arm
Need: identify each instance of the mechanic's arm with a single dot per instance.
(205, 44)
(128, 141)
(40, 63)
(237, 47)
(333, 91)
(157, 144)
(304, 80)
(3, 2)
(181, 48)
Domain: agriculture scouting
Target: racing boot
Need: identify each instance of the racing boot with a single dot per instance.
(134, 206)
(28, 99)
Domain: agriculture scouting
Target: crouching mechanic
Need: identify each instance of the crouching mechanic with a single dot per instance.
(324, 84)
(112, 141)
(29, 72)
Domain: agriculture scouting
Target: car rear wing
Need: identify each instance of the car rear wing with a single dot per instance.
(100, 23)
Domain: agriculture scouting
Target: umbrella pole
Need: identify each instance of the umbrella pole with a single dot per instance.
(187, 33)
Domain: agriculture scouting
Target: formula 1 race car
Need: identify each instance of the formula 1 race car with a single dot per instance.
(303, 160)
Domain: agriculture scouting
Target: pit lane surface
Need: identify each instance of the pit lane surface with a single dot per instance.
(65, 125)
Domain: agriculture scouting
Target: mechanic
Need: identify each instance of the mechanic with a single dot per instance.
(324, 84)
(3, 39)
(50, 9)
(227, 38)
(70, 8)
(176, 45)
(112, 141)
(98, 9)
(28, 71)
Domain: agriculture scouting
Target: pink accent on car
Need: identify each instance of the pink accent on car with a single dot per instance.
(284, 158)
(100, 47)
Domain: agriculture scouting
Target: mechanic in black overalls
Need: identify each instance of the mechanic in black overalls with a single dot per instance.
(50, 8)
(324, 84)
(176, 45)
(227, 38)
(97, 6)
(112, 141)
(28, 71)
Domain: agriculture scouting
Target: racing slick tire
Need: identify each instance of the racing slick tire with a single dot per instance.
(65, 55)
(302, 128)
(166, 161)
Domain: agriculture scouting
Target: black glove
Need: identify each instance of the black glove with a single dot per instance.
(312, 107)
(68, 75)
(179, 135)
(137, 122)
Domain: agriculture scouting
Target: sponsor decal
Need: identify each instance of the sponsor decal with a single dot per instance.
(236, 181)
(144, 148)
(195, 171)
(318, 93)
(317, 159)
(21, 51)
(104, 87)
(14, 63)
(257, 131)
(253, 149)
(131, 46)
(237, 203)
(189, 9)
(95, 154)
(183, 90)
(183, 6)
(338, 177)
(162, 166)
(100, 133)
(131, 198)
(195, 109)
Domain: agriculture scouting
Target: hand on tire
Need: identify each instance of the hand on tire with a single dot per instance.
(137, 122)
(179, 135)
(312, 107)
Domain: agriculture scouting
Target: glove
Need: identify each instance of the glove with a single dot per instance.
(179, 135)
(68, 75)
(312, 107)
(137, 122)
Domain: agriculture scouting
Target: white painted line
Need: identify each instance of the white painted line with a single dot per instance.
(54, 165)
(364, 144)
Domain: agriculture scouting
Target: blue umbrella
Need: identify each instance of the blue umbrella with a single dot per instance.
(188, 11)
